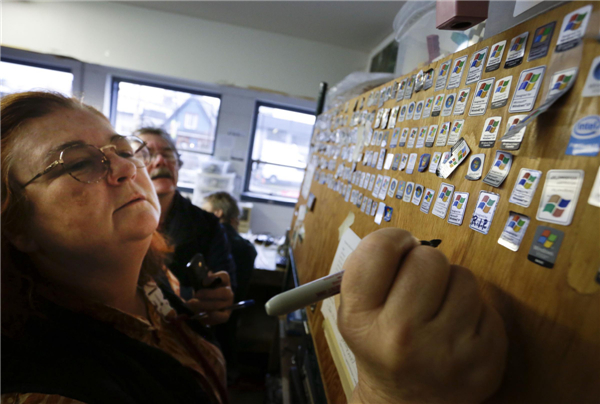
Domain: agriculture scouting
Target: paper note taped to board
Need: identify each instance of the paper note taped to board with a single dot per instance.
(347, 245)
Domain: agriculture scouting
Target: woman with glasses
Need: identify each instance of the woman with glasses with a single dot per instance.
(83, 319)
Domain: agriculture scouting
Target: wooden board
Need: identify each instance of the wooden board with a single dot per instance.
(552, 315)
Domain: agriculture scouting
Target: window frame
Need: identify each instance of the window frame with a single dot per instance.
(250, 196)
(50, 62)
(114, 93)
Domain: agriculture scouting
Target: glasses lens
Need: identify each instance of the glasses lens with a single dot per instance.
(84, 163)
(141, 154)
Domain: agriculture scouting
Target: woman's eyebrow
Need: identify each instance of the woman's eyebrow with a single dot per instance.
(55, 150)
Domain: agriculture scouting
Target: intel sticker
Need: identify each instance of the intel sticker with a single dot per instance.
(585, 137)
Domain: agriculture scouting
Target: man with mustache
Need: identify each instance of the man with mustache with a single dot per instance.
(188, 228)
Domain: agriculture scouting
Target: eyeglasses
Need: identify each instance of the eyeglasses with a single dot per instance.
(169, 155)
(89, 164)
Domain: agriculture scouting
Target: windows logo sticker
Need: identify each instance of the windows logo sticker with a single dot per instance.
(483, 90)
(458, 66)
(444, 69)
(402, 85)
(556, 205)
(445, 194)
(516, 224)
(432, 131)
(547, 238)
(497, 50)
(492, 125)
(486, 204)
(478, 59)
(409, 189)
(542, 34)
(562, 82)
(419, 106)
(517, 44)
(411, 107)
(502, 161)
(403, 110)
(463, 96)
(502, 86)
(529, 81)
(436, 158)
(428, 196)
(456, 127)
(444, 128)
(459, 201)
(438, 100)
(418, 191)
(449, 100)
(475, 164)
(459, 157)
(527, 181)
(513, 124)
(429, 102)
(575, 22)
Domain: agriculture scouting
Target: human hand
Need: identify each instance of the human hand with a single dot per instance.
(419, 329)
(212, 300)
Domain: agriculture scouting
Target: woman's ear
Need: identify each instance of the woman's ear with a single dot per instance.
(22, 242)
(218, 213)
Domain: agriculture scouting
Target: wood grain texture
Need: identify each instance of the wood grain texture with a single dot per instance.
(552, 315)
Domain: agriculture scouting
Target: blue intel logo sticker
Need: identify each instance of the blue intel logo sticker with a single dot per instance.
(585, 137)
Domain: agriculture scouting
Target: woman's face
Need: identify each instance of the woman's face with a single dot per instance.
(71, 217)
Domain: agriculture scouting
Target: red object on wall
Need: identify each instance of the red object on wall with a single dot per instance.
(460, 14)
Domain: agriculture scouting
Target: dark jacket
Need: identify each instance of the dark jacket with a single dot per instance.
(192, 230)
(244, 255)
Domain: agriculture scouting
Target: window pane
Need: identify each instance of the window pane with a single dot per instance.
(282, 136)
(17, 78)
(191, 119)
(275, 180)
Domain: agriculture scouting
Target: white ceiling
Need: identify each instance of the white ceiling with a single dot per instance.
(358, 25)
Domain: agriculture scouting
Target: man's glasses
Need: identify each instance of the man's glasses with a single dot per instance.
(89, 164)
(170, 155)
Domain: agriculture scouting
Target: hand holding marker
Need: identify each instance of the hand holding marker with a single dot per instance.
(313, 292)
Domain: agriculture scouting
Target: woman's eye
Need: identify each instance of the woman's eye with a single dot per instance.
(79, 165)
(125, 154)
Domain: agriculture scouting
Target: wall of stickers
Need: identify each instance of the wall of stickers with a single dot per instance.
(493, 150)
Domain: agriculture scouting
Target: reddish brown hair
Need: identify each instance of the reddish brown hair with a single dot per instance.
(18, 273)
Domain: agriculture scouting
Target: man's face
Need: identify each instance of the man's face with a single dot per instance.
(164, 167)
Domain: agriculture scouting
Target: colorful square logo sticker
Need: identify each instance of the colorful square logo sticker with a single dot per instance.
(559, 196)
(458, 208)
(458, 154)
(387, 213)
(424, 162)
(396, 162)
(484, 212)
(573, 28)
(400, 190)
(513, 141)
(500, 169)
(395, 136)
(403, 137)
(457, 70)
(561, 82)
(412, 138)
(400, 92)
(476, 66)
(410, 85)
(438, 103)
(491, 128)
(403, 161)
(435, 161)
(427, 199)
(392, 191)
(431, 136)
(501, 92)
(421, 137)
(514, 231)
(527, 90)
(443, 200)
(545, 246)
(402, 114)
(427, 107)
(448, 104)
(461, 101)
(428, 79)
(483, 90)
(417, 194)
(541, 41)
(455, 132)
(525, 186)
(443, 135)
(495, 59)
(516, 50)
(442, 77)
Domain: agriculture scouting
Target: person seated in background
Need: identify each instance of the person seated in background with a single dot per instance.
(225, 207)
(188, 228)
(83, 321)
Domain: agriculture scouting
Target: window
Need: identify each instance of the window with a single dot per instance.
(18, 77)
(279, 152)
(189, 117)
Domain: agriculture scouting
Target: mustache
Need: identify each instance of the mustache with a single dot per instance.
(161, 172)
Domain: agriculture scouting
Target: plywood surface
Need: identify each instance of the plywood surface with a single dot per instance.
(552, 315)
